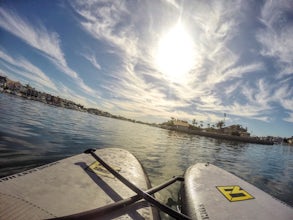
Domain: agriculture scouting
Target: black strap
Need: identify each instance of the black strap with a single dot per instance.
(134, 188)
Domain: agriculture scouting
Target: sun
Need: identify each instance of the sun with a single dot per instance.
(175, 55)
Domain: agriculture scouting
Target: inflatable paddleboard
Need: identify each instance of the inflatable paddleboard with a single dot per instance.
(74, 185)
(210, 192)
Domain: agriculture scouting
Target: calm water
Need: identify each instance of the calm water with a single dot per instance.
(32, 134)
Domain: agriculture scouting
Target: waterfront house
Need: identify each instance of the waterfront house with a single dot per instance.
(48, 98)
(180, 124)
(42, 97)
(13, 86)
(236, 130)
(289, 140)
(3, 81)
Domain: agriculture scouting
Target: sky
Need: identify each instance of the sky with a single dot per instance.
(151, 60)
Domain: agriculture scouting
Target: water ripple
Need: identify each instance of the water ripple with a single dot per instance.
(32, 134)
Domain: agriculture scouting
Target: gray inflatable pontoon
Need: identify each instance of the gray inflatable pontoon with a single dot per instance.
(210, 192)
(75, 185)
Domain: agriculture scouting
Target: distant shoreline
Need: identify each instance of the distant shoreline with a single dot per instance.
(252, 140)
(27, 92)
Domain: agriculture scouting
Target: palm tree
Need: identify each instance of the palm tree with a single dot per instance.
(220, 124)
(193, 122)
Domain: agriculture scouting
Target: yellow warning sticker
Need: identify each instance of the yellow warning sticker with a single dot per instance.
(234, 193)
(99, 169)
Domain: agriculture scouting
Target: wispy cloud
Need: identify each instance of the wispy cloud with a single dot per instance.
(38, 37)
(106, 21)
(27, 70)
(92, 59)
(284, 96)
(290, 117)
(275, 38)
(214, 25)
(45, 41)
(276, 35)
(173, 3)
(72, 94)
(37, 78)
(219, 82)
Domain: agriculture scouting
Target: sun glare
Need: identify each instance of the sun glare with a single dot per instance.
(175, 55)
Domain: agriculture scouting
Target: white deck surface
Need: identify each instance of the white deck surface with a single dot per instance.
(69, 186)
(203, 185)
